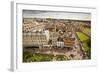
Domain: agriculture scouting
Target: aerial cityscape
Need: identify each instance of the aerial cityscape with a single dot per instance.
(51, 39)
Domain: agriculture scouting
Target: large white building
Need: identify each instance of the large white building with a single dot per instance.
(34, 39)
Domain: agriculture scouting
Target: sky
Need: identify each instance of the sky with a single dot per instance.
(56, 15)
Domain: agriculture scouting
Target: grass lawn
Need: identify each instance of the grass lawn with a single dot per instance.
(85, 41)
(82, 36)
(37, 57)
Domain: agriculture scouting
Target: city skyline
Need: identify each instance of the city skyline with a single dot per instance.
(56, 15)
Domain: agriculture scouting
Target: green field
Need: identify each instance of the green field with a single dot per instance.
(37, 57)
(82, 36)
(86, 41)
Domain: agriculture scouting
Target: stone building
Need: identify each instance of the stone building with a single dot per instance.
(34, 39)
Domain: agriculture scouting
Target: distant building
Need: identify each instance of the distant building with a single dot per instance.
(29, 27)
